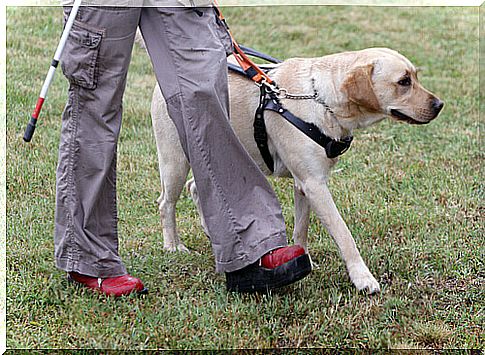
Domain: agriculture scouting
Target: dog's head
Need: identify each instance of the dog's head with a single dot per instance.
(383, 81)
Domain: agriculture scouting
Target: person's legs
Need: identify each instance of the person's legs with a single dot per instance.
(242, 213)
(95, 61)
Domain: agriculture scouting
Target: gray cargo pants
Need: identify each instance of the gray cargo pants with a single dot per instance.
(188, 52)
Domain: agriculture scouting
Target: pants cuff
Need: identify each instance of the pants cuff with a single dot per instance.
(89, 269)
(274, 242)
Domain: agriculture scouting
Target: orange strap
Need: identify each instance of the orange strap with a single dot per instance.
(249, 67)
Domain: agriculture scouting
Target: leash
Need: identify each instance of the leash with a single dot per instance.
(29, 131)
(255, 53)
(251, 70)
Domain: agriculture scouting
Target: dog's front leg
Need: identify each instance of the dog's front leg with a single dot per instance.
(302, 217)
(322, 203)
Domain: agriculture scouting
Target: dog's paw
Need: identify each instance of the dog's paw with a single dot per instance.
(179, 247)
(364, 281)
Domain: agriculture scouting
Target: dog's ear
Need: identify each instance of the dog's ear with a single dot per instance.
(359, 89)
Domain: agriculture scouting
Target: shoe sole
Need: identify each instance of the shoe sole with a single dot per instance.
(265, 280)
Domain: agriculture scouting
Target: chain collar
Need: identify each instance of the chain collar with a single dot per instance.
(282, 93)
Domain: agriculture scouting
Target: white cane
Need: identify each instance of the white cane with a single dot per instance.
(29, 131)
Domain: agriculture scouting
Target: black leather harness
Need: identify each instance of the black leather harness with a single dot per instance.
(268, 100)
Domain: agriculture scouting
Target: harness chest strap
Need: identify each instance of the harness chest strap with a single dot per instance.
(260, 135)
(333, 147)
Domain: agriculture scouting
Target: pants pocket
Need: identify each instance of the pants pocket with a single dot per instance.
(79, 61)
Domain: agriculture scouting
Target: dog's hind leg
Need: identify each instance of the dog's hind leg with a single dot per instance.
(172, 186)
(174, 168)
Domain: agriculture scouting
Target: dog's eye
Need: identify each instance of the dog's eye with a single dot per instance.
(405, 81)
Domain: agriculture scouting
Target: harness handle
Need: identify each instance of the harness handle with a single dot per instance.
(250, 68)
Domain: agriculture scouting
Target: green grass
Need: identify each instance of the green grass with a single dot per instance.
(412, 197)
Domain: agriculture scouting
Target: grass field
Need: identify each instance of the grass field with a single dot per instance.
(412, 197)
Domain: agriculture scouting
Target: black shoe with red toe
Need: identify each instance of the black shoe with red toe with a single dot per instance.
(275, 269)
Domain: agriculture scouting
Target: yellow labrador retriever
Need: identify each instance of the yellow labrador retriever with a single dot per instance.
(352, 89)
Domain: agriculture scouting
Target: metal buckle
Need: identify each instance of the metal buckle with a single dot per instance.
(272, 88)
(282, 93)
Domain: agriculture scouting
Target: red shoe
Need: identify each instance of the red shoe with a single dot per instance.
(278, 268)
(111, 286)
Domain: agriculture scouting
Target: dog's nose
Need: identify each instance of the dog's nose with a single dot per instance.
(437, 105)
